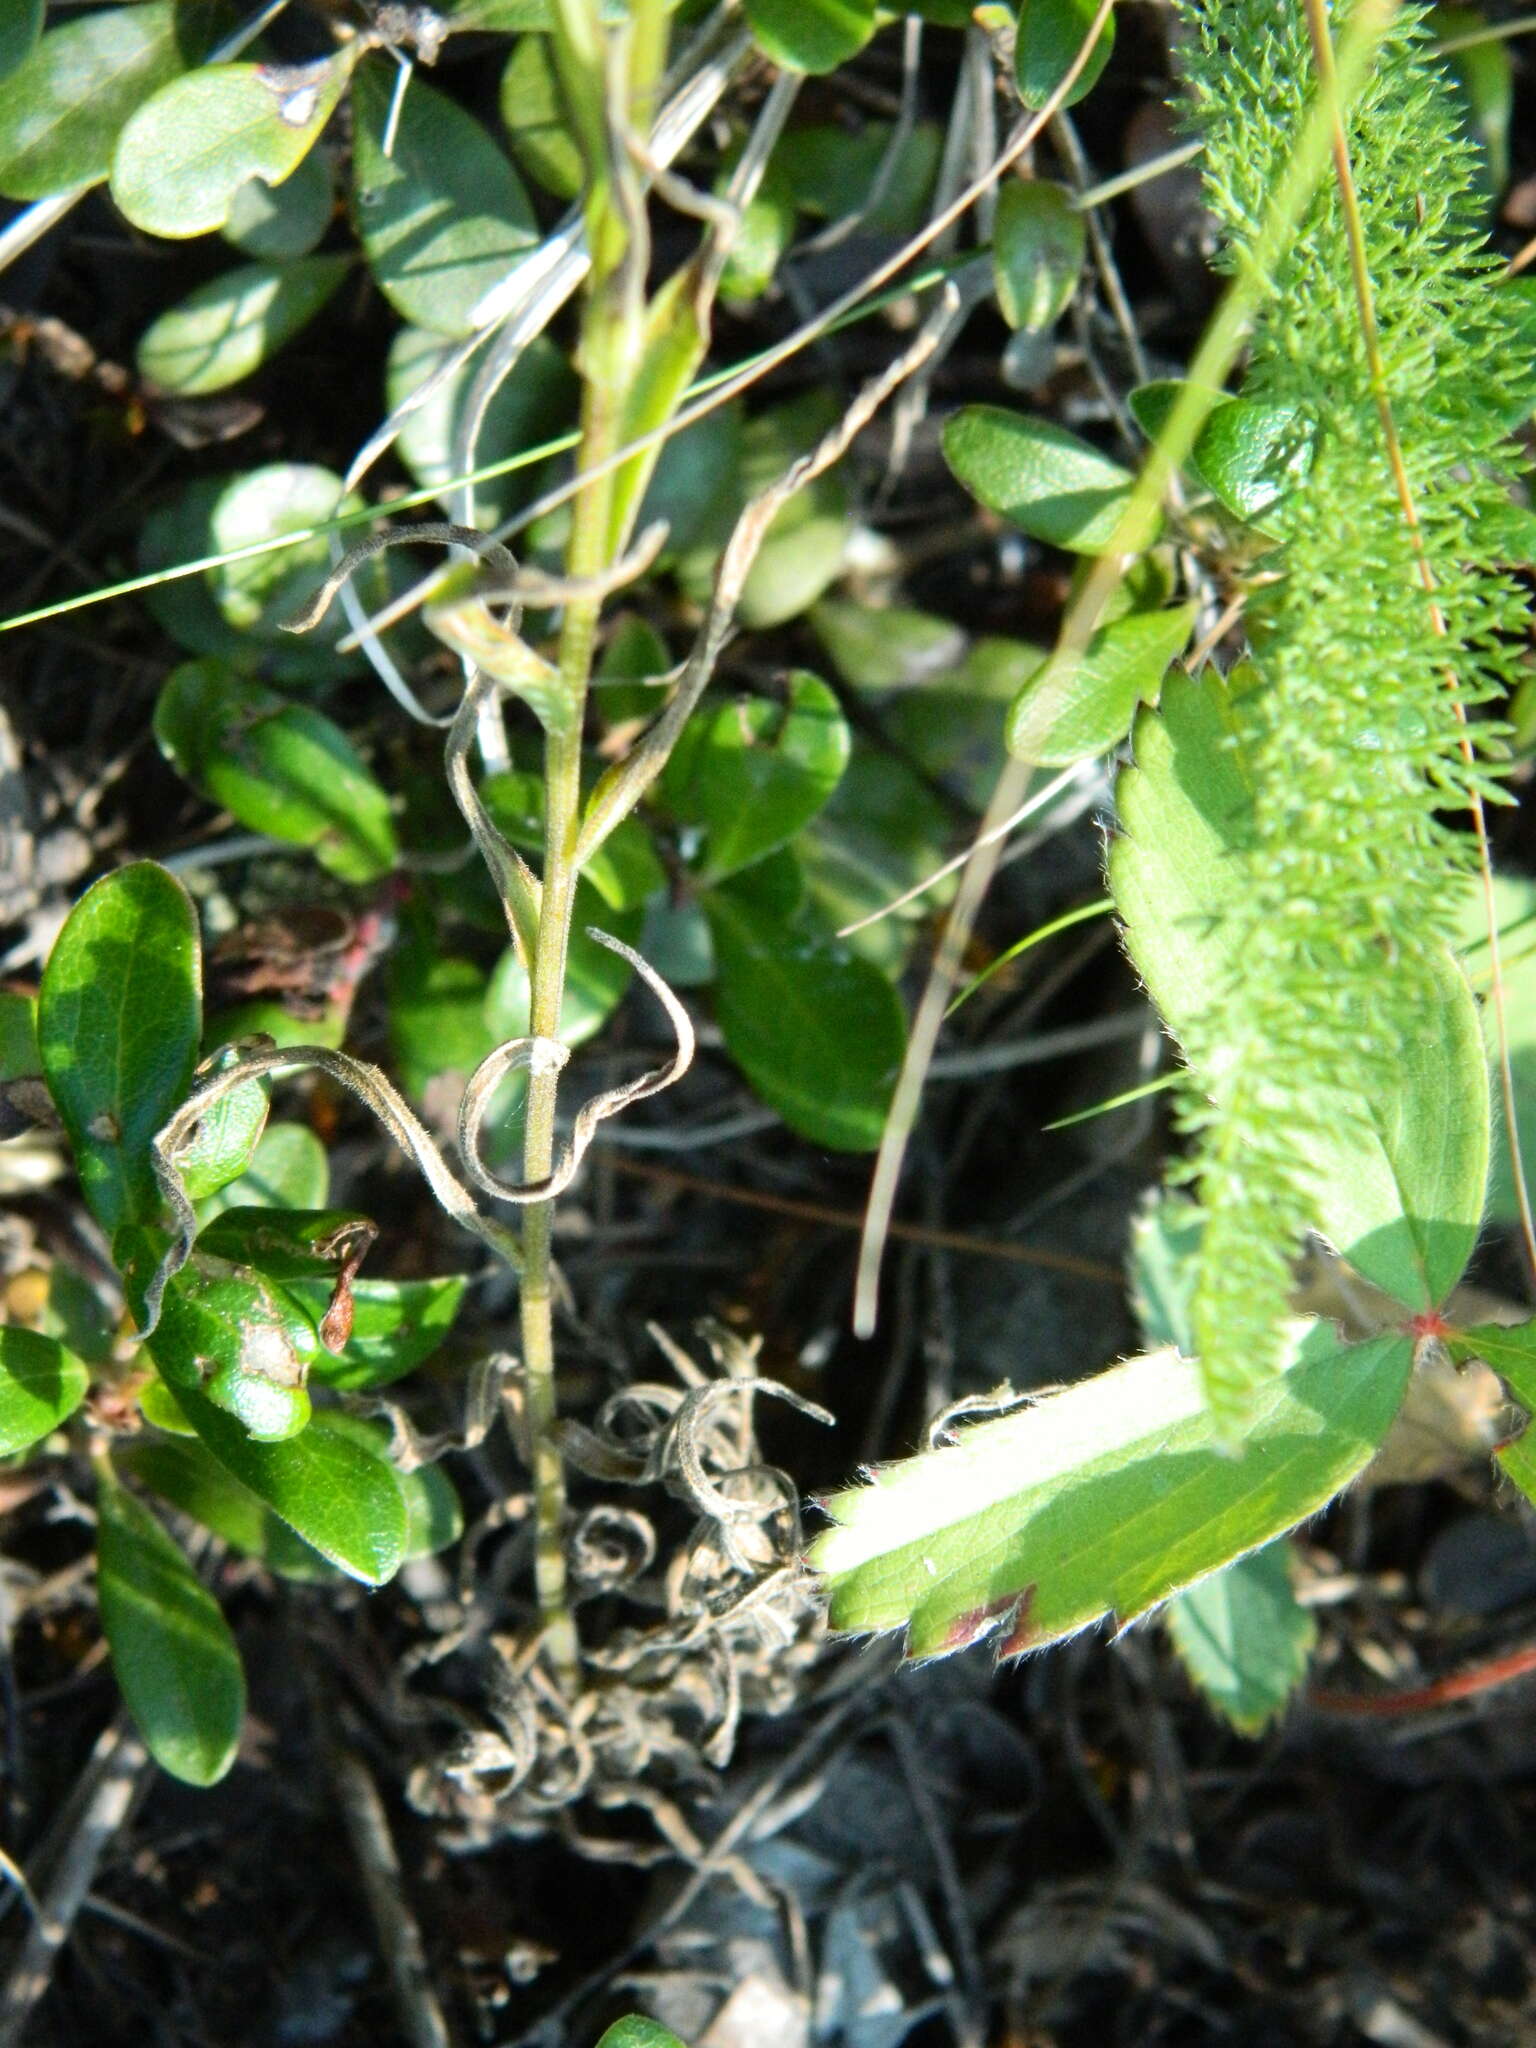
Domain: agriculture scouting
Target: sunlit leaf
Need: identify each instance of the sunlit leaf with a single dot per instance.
(41, 1385)
(280, 767)
(811, 35)
(396, 1325)
(287, 1170)
(275, 223)
(530, 407)
(1244, 1637)
(1038, 243)
(1078, 705)
(117, 1027)
(172, 1651)
(1051, 33)
(1038, 475)
(443, 217)
(537, 119)
(182, 1471)
(188, 151)
(1104, 1499)
(230, 326)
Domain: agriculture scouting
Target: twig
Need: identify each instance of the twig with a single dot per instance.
(421, 2017)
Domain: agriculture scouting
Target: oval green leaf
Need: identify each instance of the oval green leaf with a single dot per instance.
(1051, 34)
(343, 1501)
(186, 153)
(227, 1332)
(1253, 454)
(281, 768)
(41, 1385)
(64, 107)
(182, 1471)
(1244, 1638)
(811, 35)
(1038, 243)
(747, 775)
(1077, 706)
(396, 1325)
(19, 31)
(230, 326)
(276, 223)
(444, 216)
(818, 1032)
(534, 112)
(1040, 476)
(172, 1651)
(287, 1170)
(117, 1025)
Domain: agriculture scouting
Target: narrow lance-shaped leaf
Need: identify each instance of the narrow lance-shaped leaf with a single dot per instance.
(41, 1385)
(1102, 1500)
(117, 1026)
(172, 1651)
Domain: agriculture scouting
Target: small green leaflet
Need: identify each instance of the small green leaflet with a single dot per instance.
(1045, 479)
(1078, 705)
(172, 1651)
(117, 1026)
(41, 1385)
(232, 324)
(635, 2030)
(811, 35)
(1051, 33)
(1101, 1500)
(748, 775)
(280, 767)
(1038, 244)
(187, 152)
(1244, 1638)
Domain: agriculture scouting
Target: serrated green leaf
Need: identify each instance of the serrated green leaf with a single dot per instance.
(172, 1651)
(1040, 476)
(1244, 1638)
(1076, 706)
(187, 151)
(748, 775)
(443, 217)
(64, 106)
(182, 1471)
(1051, 33)
(811, 35)
(1101, 1500)
(230, 326)
(817, 1031)
(1398, 1173)
(280, 767)
(396, 1325)
(1038, 243)
(117, 1026)
(41, 1385)
(343, 1501)
(1511, 1351)
(276, 223)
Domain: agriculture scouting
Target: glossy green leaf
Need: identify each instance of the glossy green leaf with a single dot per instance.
(182, 1471)
(1104, 1499)
(230, 326)
(63, 108)
(811, 35)
(1077, 706)
(530, 407)
(172, 1651)
(1038, 475)
(344, 1502)
(1244, 1638)
(433, 1516)
(287, 1170)
(817, 1031)
(1253, 454)
(833, 171)
(280, 767)
(763, 234)
(20, 27)
(157, 1404)
(636, 2030)
(1038, 243)
(41, 1385)
(396, 1325)
(276, 223)
(1397, 1174)
(117, 1027)
(746, 776)
(537, 120)
(1051, 33)
(186, 153)
(444, 216)
(227, 1332)
(224, 1142)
